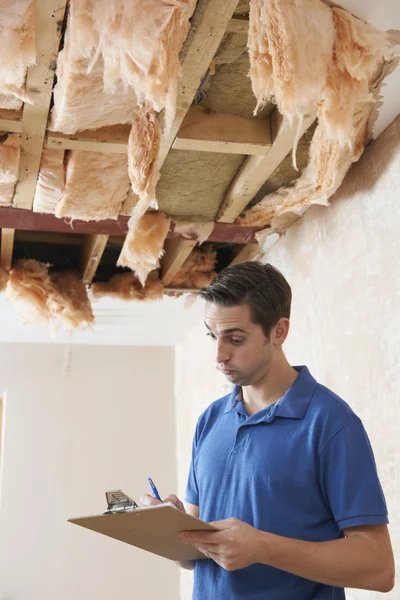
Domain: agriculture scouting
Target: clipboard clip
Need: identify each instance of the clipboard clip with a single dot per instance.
(118, 502)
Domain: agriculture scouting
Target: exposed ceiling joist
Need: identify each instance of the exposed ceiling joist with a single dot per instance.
(48, 17)
(176, 252)
(216, 132)
(11, 121)
(18, 219)
(112, 140)
(201, 130)
(257, 169)
(247, 252)
(93, 248)
(7, 245)
(209, 24)
(238, 26)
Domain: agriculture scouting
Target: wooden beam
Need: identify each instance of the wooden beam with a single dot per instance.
(112, 140)
(7, 246)
(11, 121)
(240, 26)
(47, 237)
(176, 252)
(48, 18)
(27, 220)
(203, 130)
(246, 253)
(208, 26)
(93, 249)
(257, 169)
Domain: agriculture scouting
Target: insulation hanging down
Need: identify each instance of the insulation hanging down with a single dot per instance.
(144, 245)
(57, 298)
(122, 78)
(4, 276)
(344, 107)
(197, 271)
(17, 42)
(126, 286)
(9, 165)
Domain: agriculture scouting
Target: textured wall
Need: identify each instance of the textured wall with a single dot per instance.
(344, 267)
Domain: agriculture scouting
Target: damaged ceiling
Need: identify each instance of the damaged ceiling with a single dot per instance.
(94, 130)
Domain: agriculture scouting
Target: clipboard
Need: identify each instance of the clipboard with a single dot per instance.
(152, 528)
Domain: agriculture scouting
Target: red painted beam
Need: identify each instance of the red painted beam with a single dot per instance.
(16, 218)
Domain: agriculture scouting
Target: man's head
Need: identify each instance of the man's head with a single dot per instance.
(247, 314)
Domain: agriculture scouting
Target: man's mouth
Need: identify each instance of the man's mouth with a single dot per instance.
(227, 371)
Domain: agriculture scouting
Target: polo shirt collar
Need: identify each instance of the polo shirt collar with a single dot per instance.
(292, 405)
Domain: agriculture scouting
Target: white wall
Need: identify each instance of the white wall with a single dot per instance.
(343, 263)
(78, 423)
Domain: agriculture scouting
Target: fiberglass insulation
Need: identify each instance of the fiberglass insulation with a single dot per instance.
(17, 43)
(344, 103)
(126, 286)
(96, 186)
(9, 164)
(144, 245)
(197, 271)
(120, 64)
(51, 181)
(57, 298)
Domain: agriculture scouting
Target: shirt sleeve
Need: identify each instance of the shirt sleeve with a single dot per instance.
(349, 479)
(192, 490)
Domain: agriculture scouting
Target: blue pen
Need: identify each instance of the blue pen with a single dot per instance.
(154, 489)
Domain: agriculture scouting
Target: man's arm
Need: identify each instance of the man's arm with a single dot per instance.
(363, 559)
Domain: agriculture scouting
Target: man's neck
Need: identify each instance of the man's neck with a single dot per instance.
(271, 387)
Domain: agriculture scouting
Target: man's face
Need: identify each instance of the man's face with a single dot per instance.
(243, 352)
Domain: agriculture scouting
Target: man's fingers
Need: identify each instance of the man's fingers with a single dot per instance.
(148, 500)
(199, 537)
(175, 500)
(225, 524)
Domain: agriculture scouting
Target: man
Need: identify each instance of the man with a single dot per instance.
(281, 466)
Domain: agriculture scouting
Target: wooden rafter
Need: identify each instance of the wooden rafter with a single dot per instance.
(240, 26)
(93, 248)
(27, 220)
(173, 259)
(7, 245)
(49, 17)
(257, 169)
(201, 130)
(209, 25)
(246, 252)
(11, 121)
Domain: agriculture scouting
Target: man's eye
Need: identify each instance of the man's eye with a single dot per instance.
(237, 341)
(211, 335)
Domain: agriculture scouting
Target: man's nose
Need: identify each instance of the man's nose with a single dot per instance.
(223, 356)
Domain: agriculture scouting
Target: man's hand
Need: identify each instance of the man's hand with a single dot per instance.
(235, 546)
(148, 500)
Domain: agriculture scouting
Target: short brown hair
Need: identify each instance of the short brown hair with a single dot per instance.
(262, 287)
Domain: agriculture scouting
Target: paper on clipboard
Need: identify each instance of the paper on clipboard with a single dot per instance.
(151, 528)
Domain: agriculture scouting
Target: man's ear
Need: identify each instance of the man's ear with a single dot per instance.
(280, 331)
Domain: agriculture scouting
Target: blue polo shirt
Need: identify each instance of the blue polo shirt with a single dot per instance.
(302, 468)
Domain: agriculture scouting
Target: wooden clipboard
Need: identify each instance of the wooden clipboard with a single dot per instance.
(153, 528)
